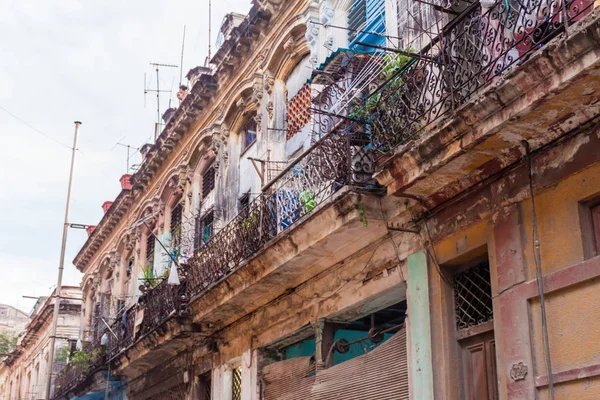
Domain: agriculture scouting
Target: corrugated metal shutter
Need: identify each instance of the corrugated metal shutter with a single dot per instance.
(287, 380)
(381, 374)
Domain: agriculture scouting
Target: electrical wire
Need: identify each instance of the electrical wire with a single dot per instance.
(34, 128)
(539, 272)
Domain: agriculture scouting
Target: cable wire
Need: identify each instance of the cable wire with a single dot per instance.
(34, 128)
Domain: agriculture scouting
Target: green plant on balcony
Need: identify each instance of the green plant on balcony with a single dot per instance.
(150, 281)
(307, 200)
(370, 109)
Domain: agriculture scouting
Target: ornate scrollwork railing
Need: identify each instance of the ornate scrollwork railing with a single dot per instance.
(473, 50)
(340, 158)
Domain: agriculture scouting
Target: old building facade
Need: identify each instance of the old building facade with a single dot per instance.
(362, 199)
(12, 320)
(24, 374)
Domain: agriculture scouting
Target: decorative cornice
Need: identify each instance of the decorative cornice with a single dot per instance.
(231, 54)
(104, 228)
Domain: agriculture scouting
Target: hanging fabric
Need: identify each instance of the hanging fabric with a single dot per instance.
(173, 275)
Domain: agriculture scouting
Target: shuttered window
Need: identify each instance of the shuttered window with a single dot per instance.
(208, 181)
(176, 220)
(366, 24)
(150, 243)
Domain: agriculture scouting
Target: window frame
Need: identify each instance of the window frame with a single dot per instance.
(243, 133)
(589, 216)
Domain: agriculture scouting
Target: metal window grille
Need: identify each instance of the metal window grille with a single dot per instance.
(473, 296)
(236, 383)
(357, 19)
(208, 181)
(150, 242)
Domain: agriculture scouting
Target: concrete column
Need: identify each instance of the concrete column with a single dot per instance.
(420, 328)
(250, 390)
(218, 383)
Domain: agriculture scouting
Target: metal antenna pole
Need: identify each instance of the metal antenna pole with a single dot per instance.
(181, 62)
(157, 99)
(209, 29)
(61, 266)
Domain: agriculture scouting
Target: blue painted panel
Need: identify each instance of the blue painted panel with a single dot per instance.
(375, 23)
(305, 348)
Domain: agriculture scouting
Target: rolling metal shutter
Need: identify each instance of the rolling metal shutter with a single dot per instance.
(381, 374)
(287, 380)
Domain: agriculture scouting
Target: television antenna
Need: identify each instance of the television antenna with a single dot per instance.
(129, 148)
(158, 91)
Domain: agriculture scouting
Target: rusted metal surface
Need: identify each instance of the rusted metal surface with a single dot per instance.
(473, 50)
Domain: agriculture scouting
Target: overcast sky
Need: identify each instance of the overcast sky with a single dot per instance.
(67, 60)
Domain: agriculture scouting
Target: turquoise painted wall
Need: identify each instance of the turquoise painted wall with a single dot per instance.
(420, 327)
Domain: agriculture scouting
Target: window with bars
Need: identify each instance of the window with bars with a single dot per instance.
(208, 181)
(176, 220)
(204, 229)
(473, 296)
(236, 384)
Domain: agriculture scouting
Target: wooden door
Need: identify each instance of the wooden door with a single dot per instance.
(479, 377)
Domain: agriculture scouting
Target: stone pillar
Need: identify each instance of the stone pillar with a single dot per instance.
(250, 390)
(419, 325)
(511, 315)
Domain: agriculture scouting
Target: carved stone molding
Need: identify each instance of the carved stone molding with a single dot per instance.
(258, 88)
(518, 371)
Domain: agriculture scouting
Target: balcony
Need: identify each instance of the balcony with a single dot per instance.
(473, 52)
(334, 167)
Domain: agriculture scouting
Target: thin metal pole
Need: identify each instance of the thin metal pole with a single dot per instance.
(539, 273)
(209, 31)
(157, 100)
(181, 62)
(61, 265)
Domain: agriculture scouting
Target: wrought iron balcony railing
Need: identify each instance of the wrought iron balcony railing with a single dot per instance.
(472, 51)
(340, 158)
